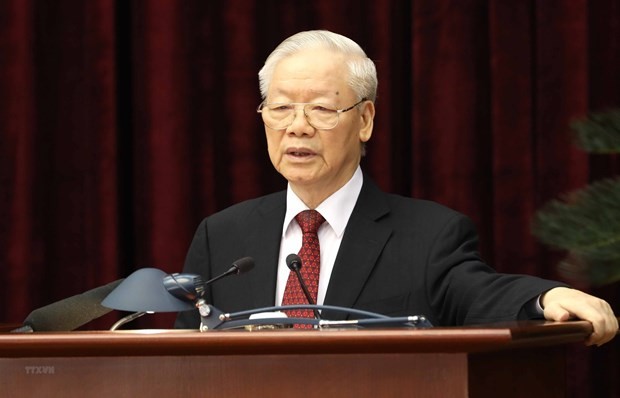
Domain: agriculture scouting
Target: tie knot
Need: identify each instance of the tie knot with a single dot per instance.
(309, 221)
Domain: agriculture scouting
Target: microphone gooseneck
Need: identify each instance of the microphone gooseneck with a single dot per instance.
(293, 262)
(191, 287)
(238, 267)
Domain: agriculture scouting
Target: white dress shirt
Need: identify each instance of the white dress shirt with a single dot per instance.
(336, 210)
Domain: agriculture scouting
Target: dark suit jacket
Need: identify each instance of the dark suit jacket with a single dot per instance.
(398, 256)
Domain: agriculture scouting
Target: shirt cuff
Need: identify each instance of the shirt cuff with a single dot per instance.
(532, 309)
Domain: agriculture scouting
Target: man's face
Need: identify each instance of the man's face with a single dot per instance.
(317, 161)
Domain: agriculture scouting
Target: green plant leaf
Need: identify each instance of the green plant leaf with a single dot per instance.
(598, 132)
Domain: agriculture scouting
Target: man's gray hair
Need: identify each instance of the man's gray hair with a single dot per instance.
(362, 71)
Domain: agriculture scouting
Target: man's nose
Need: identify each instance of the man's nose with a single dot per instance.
(300, 125)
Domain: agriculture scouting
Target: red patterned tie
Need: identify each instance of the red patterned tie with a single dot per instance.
(310, 254)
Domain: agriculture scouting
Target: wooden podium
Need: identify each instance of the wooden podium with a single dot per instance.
(521, 359)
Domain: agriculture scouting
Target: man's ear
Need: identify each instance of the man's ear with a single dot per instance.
(367, 118)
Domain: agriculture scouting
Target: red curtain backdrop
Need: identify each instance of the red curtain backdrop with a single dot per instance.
(124, 123)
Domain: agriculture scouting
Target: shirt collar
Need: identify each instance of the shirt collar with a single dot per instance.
(336, 209)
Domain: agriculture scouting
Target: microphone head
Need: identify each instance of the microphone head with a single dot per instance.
(72, 312)
(243, 265)
(293, 262)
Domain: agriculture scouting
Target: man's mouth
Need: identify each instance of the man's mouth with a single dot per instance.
(300, 152)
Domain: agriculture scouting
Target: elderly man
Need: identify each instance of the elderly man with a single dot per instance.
(360, 247)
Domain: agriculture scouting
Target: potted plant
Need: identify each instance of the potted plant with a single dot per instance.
(586, 223)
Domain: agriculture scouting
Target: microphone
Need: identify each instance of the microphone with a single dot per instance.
(70, 313)
(191, 287)
(238, 267)
(293, 262)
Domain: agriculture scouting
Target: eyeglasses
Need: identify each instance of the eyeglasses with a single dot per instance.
(279, 116)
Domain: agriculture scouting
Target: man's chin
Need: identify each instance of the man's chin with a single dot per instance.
(300, 178)
(297, 179)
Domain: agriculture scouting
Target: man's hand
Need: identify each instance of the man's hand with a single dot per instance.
(561, 304)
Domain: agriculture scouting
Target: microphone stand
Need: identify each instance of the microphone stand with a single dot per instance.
(293, 262)
(317, 315)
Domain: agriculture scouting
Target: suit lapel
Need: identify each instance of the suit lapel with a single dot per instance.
(263, 244)
(362, 243)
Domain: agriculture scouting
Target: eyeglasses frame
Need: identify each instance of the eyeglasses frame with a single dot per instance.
(260, 107)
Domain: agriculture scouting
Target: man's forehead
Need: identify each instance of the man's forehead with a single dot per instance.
(310, 73)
